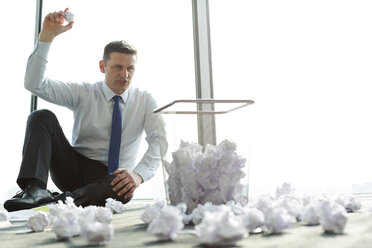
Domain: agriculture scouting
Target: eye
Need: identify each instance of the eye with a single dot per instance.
(118, 67)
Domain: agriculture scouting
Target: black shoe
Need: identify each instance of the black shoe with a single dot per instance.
(31, 197)
(19, 194)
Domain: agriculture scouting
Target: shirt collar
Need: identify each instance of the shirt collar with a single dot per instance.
(109, 94)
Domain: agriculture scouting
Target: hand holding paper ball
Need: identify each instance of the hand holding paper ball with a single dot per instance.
(53, 25)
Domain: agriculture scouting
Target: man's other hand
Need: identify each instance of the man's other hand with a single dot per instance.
(53, 25)
(125, 182)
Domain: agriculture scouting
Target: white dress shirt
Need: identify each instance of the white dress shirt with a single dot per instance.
(92, 106)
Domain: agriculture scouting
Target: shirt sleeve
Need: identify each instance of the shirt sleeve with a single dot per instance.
(54, 91)
(156, 138)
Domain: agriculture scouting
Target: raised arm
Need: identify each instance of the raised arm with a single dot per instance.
(53, 91)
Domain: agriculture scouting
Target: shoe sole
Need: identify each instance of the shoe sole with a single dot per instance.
(14, 206)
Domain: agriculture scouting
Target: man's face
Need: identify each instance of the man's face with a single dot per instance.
(119, 70)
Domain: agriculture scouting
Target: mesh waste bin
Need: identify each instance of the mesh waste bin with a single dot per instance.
(207, 159)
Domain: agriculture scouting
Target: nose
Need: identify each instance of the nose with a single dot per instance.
(124, 73)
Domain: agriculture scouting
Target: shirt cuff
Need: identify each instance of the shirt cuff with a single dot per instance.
(42, 49)
(143, 171)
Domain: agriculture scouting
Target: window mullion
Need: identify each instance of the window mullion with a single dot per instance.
(203, 70)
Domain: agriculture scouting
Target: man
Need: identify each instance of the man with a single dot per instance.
(109, 118)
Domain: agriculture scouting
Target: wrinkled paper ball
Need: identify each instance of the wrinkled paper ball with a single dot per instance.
(221, 228)
(333, 216)
(39, 221)
(68, 16)
(167, 223)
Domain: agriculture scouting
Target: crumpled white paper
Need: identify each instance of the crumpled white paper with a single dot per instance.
(4, 215)
(197, 214)
(333, 216)
(167, 224)
(235, 207)
(152, 211)
(263, 202)
(66, 225)
(39, 221)
(221, 228)
(292, 204)
(92, 222)
(4, 218)
(69, 16)
(68, 220)
(60, 208)
(96, 214)
(197, 177)
(287, 198)
(285, 189)
(349, 202)
(277, 219)
(310, 215)
(98, 233)
(186, 218)
(116, 206)
(65, 219)
(252, 218)
(95, 225)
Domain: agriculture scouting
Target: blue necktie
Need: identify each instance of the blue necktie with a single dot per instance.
(115, 140)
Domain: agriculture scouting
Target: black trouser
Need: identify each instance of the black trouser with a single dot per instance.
(46, 149)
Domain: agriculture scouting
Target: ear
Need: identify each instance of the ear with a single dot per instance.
(102, 66)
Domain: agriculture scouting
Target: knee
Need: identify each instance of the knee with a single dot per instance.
(41, 115)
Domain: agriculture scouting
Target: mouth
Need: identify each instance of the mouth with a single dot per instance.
(123, 81)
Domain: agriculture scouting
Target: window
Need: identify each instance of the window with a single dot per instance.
(15, 48)
(307, 65)
(162, 37)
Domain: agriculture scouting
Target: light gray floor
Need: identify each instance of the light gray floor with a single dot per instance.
(131, 232)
